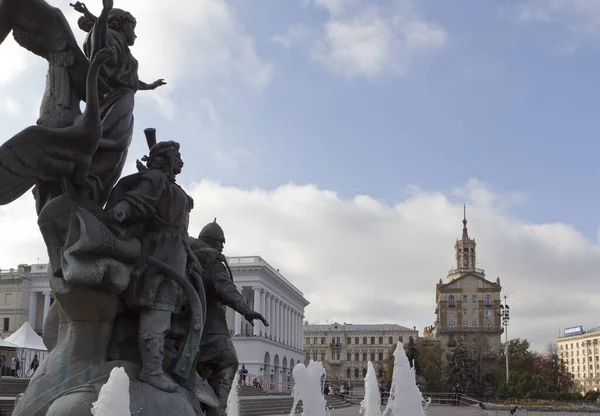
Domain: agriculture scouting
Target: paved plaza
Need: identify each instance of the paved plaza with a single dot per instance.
(459, 411)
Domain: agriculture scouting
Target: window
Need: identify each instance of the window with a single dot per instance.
(380, 340)
(488, 300)
(6, 324)
(364, 356)
(322, 340)
(364, 372)
(356, 372)
(372, 356)
(348, 373)
(474, 311)
(451, 313)
(333, 340)
(451, 301)
(488, 325)
(322, 356)
(364, 340)
(390, 340)
(307, 341)
(488, 312)
(465, 312)
(474, 324)
(356, 356)
(464, 298)
(380, 356)
(474, 298)
(307, 356)
(315, 340)
(348, 356)
(400, 338)
(337, 340)
(349, 341)
(451, 325)
(356, 340)
(465, 324)
(372, 340)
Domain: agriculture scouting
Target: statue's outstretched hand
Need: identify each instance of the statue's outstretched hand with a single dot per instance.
(253, 315)
(79, 7)
(158, 83)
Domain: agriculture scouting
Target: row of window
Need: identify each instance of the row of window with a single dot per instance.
(452, 300)
(488, 312)
(562, 354)
(488, 324)
(357, 373)
(588, 342)
(357, 356)
(336, 340)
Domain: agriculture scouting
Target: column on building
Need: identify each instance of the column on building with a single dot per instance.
(281, 321)
(263, 305)
(267, 314)
(257, 308)
(284, 323)
(274, 303)
(289, 325)
(32, 308)
(294, 328)
(301, 331)
(238, 319)
(46, 305)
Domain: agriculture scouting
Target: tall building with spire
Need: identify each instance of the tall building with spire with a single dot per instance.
(467, 304)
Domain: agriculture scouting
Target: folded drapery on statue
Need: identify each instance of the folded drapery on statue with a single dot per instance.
(94, 256)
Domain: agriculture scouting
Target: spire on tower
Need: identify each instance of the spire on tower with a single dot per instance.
(465, 234)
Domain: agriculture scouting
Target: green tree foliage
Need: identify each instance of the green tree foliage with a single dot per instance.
(431, 366)
(461, 375)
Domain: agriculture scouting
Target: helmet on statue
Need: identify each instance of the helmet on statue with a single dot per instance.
(212, 230)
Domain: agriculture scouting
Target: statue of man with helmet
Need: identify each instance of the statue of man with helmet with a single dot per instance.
(218, 361)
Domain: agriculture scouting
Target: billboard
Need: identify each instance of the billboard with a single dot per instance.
(574, 330)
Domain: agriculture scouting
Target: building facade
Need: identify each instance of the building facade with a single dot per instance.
(467, 304)
(269, 352)
(345, 349)
(25, 295)
(578, 350)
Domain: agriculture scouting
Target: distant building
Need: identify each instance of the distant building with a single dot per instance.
(268, 352)
(25, 295)
(467, 305)
(578, 349)
(345, 349)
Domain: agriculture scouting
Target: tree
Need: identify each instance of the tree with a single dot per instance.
(461, 375)
(412, 353)
(431, 363)
(388, 368)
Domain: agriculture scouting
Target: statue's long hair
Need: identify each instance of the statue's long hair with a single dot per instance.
(117, 19)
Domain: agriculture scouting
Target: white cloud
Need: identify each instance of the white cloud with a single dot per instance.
(580, 18)
(360, 39)
(363, 261)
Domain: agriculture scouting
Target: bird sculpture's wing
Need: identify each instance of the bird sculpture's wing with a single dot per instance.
(27, 157)
(43, 30)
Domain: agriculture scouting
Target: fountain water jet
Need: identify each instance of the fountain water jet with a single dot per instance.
(233, 400)
(405, 397)
(308, 388)
(113, 399)
(371, 404)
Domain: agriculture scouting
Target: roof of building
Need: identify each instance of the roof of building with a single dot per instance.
(358, 328)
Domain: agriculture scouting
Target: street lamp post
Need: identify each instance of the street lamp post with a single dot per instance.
(505, 315)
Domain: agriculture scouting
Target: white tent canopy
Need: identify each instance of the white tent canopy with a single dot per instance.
(27, 339)
(5, 344)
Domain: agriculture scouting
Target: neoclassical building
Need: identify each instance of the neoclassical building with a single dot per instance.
(267, 352)
(345, 349)
(578, 350)
(25, 295)
(467, 304)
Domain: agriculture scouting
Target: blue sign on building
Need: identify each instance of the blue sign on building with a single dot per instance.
(574, 330)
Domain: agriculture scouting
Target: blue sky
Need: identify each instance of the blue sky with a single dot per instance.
(339, 139)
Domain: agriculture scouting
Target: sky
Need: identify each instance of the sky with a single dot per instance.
(339, 139)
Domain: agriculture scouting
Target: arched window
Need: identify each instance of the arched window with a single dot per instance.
(488, 300)
(451, 301)
(401, 338)
(364, 372)
(364, 340)
(372, 340)
(356, 373)
(380, 340)
(348, 373)
(390, 340)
